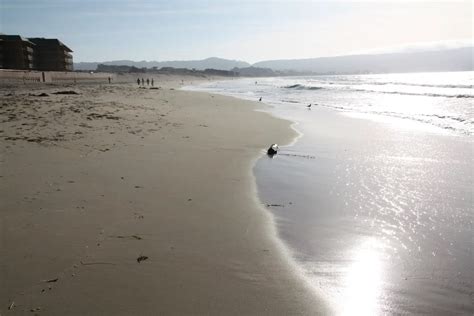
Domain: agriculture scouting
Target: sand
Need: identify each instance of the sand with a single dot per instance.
(92, 181)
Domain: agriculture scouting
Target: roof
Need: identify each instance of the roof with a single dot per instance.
(54, 41)
(13, 38)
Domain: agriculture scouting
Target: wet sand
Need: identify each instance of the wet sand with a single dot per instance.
(120, 200)
(378, 211)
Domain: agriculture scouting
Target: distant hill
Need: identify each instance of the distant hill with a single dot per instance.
(208, 63)
(460, 59)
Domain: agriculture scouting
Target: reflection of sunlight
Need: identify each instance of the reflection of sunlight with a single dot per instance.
(399, 123)
(362, 282)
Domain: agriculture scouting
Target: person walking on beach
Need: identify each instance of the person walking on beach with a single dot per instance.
(109, 79)
(147, 81)
(138, 81)
(152, 82)
(143, 82)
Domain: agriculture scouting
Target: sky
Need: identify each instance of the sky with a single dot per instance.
(249, 30)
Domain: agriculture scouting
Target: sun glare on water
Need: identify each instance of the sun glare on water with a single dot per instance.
(362, 283)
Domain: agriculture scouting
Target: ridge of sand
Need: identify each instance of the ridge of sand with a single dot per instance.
(93, 181)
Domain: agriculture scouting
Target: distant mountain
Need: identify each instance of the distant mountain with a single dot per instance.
(460, 59)
(208, 63)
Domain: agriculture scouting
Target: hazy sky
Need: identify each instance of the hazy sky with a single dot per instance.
(99, 30)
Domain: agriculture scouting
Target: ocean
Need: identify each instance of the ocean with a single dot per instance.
(374, 198)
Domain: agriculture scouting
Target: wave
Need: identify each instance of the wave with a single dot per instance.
(417, 94)
(448, 117)
(302, 87)
(426, 85)
(462, 125)
(299, 86)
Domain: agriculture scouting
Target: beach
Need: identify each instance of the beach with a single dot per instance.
(120, 200)
(374, 198)
(233, 157)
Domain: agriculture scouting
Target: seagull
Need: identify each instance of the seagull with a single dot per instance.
(308, 106)
(260, 99)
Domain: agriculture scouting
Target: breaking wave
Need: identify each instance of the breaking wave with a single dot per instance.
(441, 95)
(449, 86)
(355, 88)
(302, 87)
(448, 122)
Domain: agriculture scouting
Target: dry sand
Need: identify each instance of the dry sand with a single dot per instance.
(90, 182)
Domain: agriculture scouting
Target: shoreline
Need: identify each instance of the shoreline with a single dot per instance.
(316, 240)
(235, 267)
(331, 215)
